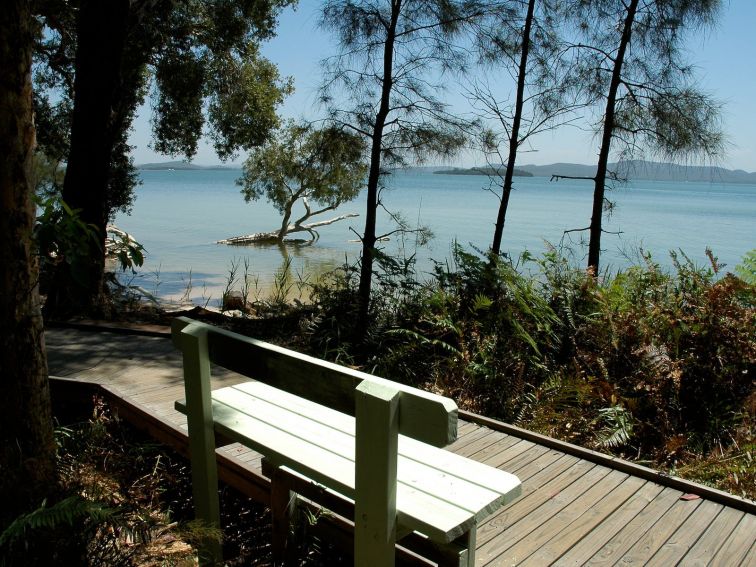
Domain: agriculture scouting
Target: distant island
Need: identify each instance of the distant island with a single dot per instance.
(489, 171)
(639, 170)
(182, 165)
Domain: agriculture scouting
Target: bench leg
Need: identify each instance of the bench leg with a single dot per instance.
(376, 445)
(201, 440)
(469, 541)
(472, 539)
(282, 504)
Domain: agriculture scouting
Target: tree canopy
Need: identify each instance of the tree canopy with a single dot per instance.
(96, 62)
(302, 163)
(381, 85)
(632, 67)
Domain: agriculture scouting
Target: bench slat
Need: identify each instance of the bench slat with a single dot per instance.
(434, 495)
(420, 466)
(472, 471)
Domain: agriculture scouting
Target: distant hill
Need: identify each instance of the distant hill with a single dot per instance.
(632, 169)
(480, 171)
(648, 171)
(181, 165)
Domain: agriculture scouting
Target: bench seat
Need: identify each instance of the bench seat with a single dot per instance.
(439, 494)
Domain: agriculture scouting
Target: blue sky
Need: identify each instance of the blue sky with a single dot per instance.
(725, 57)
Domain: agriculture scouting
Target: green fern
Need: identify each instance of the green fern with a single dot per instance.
(425, 341)
(746, 270)
(618, 426)
(69, 511)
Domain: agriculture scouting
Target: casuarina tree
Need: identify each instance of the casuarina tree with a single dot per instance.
(633, 69)
(384, 85)
(522, 42)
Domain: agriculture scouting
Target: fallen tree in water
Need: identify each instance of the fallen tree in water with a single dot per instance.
(297, 226)
(323, 166)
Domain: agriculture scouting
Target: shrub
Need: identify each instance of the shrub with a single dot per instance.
(647, 360)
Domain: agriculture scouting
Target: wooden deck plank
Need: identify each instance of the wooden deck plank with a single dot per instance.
(594, 540)
(534, 482)
(491, 450)
(539, 528)
(625, 538)
(516, 457)
(750, 558)
(488, 437)
(658, 534)
(507, 451)
(466, 432)
(686, 535)
(713, 538)
(578, 528)
(518, 521)
(738, 545)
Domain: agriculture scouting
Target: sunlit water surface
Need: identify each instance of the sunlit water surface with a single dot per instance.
(180, 215)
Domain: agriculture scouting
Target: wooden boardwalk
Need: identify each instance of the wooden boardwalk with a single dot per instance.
(577, 507)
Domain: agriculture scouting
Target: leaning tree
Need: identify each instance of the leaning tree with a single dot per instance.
(97, 61)
(384, 84)
(633, 68)
(303, 165)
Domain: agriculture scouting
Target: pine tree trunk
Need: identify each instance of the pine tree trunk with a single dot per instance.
(369, 236)
(27, 472)
(514, 137)
(594, 244)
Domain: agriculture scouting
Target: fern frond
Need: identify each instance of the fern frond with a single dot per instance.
(69, 511)
(618, 427)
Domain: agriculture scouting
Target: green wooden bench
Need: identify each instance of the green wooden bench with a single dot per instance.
(373, 441)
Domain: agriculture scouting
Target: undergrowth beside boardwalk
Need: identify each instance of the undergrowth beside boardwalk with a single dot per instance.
(124, 500)
(651, 365)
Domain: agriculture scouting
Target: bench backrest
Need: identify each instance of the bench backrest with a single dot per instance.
(424, 416)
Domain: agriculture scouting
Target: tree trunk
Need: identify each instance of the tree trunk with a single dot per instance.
(101, 29)
(27, 471)
(594, 244)
(514, 138)
(369, 236)
(285, 220)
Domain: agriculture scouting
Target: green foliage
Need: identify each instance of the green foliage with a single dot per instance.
(62, 236)
(650, 361)
(617, 427)
(323, 165)
(657, 106)
(122, 247)
(243, 97)
(71, 511)
(47, 175)
(746, 270)
(200, 61)
(426, 37)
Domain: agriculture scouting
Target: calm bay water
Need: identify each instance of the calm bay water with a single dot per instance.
(180, 215)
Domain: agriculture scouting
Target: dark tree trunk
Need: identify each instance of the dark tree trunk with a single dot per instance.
(369, 236)
(594, 244)
(514, 138)
(95, 127)
(27, 471)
